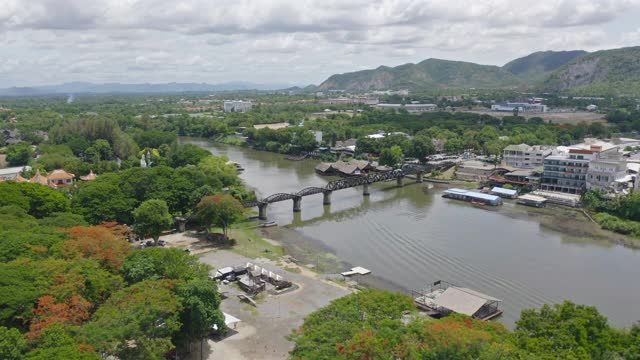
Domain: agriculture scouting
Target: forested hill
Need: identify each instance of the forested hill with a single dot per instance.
(534, 67)
(606, 72)
(430, 73)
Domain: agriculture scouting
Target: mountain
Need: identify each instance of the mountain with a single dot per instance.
(535, 67)
(605, 72)
(430, 73)
(112, 88)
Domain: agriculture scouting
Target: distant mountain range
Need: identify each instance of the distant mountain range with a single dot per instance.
(605, 72)
(116, 88)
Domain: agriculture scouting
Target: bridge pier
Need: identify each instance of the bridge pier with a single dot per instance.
(297, 204)
(326, 197)
(419, 177)
(400, 181)
(365, 190)
(262, 211)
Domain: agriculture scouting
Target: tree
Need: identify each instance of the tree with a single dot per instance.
(162, 263)
(421, 147)
(56, 343)
(73, 311)
(19, 154)
(97, 243)
(222, 210)
(201, 309)
(152, 218)
(12, 344)
(565, 331)
(391, 156)
(103, 200)
(137, 322)
(43, 200)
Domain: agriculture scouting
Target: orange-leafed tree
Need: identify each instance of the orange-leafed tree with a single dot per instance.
(74, 311)
(98, 243)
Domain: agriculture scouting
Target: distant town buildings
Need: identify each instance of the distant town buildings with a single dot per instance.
(349, 101)
(519, 106)
(411, 108)
(525, 156)
(237, 106)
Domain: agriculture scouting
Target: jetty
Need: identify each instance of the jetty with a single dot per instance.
(441, 298)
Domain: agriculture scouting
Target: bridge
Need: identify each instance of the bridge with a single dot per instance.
(340, 184)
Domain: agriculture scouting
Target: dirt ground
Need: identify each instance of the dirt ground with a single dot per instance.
(262, 332)
(3, 161)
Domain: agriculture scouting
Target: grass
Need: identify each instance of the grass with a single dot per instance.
(250, 244)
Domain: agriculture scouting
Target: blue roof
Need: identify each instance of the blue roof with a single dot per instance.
(473, 194)
(504, 191)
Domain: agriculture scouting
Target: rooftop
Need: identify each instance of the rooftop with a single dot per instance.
(474, 194)
(462, 300)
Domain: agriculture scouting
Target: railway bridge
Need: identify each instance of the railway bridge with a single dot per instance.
(339, 184)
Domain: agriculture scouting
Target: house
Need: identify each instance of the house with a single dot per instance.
(39, 179)
(89, 177)
(59, 178)
(524, 156)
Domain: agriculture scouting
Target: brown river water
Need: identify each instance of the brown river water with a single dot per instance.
(411, 236)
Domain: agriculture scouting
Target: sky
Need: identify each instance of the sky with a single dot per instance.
(287, 41)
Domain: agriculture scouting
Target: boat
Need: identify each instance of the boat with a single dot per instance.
(269, 224)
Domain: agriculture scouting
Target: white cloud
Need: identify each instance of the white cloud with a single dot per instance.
(298, 41)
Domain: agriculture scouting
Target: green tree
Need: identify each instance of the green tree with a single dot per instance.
(162, 263)
(19, 154)
(103, 200)
(152, 218)
(565, 331)
(222, 210)
(56, 343)
(12, 344)
(421, 147)
(391, 156)
(43, 200)
(137, 322)
(201, 310)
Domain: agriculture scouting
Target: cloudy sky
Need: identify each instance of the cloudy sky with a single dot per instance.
(287, 41)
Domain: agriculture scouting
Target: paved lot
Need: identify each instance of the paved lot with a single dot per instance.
(263, 330)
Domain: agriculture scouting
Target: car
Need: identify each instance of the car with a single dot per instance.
(162, 243)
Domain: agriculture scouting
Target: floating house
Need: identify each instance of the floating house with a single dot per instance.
(504, 193)
(441, 299)
(532, 200)
(472, 196)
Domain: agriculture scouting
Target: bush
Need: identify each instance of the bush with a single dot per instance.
(616, 224)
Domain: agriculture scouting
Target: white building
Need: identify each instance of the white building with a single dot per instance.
(525, 156)
(607, 172)
(237, 106)
(11, 173)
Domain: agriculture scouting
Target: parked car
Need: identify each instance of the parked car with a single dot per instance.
(162, 243)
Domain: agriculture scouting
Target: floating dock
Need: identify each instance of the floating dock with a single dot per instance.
(441, 299)
(472, 196)
(356, 271)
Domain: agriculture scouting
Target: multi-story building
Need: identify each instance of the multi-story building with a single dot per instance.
(567, 173)
(607, 172)
(525, 156)
(237, 106)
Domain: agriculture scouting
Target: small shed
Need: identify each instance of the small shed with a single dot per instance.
(504, 193)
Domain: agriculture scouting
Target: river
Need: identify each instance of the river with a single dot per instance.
(411, 236)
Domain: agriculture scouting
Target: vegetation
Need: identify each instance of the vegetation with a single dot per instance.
(535, 67)
(620, 214)
(152, 218)
(221, 210)
(369, 325)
